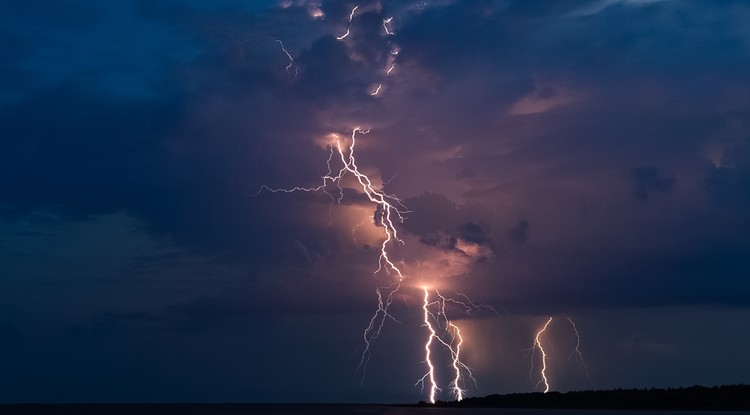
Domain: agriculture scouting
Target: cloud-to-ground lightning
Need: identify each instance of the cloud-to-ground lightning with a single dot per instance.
(430, 375)
(444, 336)
(538, 345)
(577, 350)
(445, 333)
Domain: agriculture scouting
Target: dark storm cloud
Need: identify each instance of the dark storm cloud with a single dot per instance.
(431, 212)
(14, 78)
(520, 233)
(593, 91)
(729, 183)
(80, 151)
(54, 146)
(529, 132)
(66, 15)
(330, 75)
(114, 323)
(233, 118)
(650, 179)
(466, 174)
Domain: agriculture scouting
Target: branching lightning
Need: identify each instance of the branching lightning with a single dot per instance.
(428, 349)
(545, 356)
(577, 349)
(389, 209)
(448, 335)
(538, 345)
(444, 337)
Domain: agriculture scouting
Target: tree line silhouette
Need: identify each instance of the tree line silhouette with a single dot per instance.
(727, 397)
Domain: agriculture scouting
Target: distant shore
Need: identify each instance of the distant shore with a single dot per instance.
(694, 398)
(716, 398)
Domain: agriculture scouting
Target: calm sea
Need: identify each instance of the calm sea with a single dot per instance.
(244, 409)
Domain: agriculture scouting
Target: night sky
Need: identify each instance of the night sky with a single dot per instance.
(586, 160)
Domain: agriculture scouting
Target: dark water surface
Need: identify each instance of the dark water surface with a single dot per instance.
(254, 409)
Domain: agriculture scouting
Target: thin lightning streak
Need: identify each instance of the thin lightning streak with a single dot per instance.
(376, 323)
(377, 90)
(577, 351)
(538, 345)
(472, 305)
(348, 29)
(288, 55)
(354, 231)
(458, 366)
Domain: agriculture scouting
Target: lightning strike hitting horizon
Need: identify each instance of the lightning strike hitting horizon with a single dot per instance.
(428, 349)
(577, 350)
(448, 335)
(443, 334)
(538, 345)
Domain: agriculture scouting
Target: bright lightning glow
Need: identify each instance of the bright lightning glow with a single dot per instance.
(428, 349)
(444, 336)
(351, 14)
(538, 345)
(447, 334)
(348, 29)
(457, 365)
(385, 26)
(389, 208)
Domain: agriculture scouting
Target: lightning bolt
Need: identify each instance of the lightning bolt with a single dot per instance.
(444, 336)
(387, 21)
(348, 29)
(577, 349)
(428, 349)
(448, 335)
(288, 55)
(538, 345)
(389, 209)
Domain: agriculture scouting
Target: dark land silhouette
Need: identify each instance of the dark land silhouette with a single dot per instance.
(728, 397)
